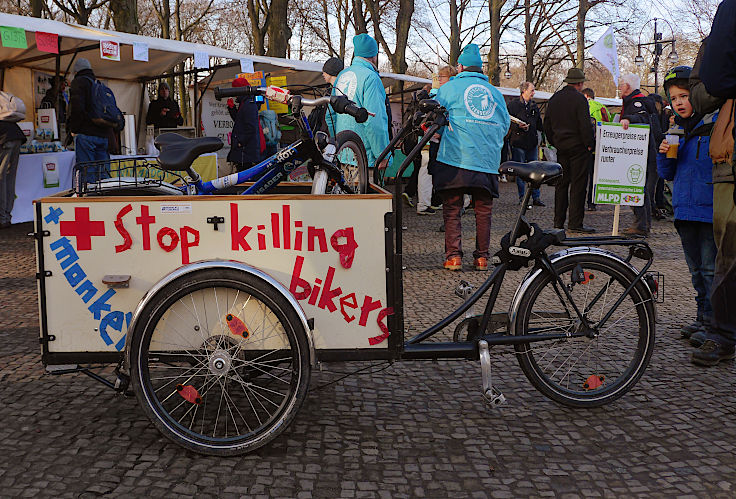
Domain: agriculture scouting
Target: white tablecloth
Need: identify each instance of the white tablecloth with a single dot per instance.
(29, 181)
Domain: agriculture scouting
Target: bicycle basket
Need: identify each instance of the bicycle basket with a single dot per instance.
(126, 176)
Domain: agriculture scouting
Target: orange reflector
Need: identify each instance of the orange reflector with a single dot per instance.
(189, 393)
(594, 381)
(237, 327)
(588, 277)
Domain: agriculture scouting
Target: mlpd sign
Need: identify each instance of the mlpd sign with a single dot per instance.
(620, 164)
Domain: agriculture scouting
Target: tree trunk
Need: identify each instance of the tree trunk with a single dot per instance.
(582, 13)
(258, 34)
(125, 15)
(359, 17)
(403, 25)
(36, 7)
(278, 29)
(528, 42)
(454, 33)
(494, 66)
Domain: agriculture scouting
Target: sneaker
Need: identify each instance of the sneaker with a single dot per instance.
(591, 207)
(427, 211)
(454, 263)
(712, 352)
(698, 338)
(407, 199)
(503, 178)
(481, 263)
(687, 331)
(538, 202)
(438, 207)
(583, 229)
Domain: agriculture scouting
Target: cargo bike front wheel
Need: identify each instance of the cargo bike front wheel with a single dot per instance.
(220, 362)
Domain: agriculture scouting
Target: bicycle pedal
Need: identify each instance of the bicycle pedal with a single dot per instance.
(494, 398)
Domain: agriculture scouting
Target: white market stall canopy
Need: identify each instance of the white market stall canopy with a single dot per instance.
(162, 53)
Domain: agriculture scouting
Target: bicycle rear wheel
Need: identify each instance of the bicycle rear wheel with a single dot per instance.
(221, 362)
(352, 160)
(582, 371)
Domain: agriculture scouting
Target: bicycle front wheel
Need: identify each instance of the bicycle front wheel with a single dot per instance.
(583, 371)
(352, 160)
(220, 362)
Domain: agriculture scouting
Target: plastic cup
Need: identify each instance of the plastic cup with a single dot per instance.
(674, 142)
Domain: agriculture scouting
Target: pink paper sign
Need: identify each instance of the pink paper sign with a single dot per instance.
(47, 42)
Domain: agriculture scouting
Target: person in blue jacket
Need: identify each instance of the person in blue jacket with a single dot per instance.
(469, 155)
(361, 83)
(692, 195)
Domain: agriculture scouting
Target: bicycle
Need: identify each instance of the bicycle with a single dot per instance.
(337, 165)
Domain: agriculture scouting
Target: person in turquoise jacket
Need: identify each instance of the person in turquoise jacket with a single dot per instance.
(361, 83)
(469, 155)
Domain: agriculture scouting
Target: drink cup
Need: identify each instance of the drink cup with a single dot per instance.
(674, 142)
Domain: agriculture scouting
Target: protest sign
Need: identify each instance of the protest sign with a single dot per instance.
(620, 164)
(12, 37)
(47, 42)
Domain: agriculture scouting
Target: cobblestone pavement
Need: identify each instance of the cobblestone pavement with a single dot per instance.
(416, 429)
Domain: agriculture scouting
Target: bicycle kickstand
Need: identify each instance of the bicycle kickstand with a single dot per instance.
(492, 396)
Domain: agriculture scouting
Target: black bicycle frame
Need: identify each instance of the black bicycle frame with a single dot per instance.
(415, 349)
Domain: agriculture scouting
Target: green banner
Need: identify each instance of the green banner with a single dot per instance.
(13, 37)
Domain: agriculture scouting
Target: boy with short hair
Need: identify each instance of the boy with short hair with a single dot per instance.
(692, 195)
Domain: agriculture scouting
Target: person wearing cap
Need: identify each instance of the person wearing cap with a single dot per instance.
(469, 155)
(90, 140)
(330, 69)
(568, 128)
(164, 111)
(55, 98)
(361, 83)
(247, 142)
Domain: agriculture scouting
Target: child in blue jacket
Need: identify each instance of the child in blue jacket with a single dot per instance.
(692, 195)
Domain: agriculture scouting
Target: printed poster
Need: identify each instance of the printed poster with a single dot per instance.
(620, 164)
(110, 50)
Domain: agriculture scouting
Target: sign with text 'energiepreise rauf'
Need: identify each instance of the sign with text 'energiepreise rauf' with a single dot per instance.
(620, 164)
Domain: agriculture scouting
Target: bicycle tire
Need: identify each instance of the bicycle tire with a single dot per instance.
(185, 353)
(588, 385)
(352, 160)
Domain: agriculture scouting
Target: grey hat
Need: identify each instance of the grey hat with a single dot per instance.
(165, 85)
(333, 66)
(81, 64)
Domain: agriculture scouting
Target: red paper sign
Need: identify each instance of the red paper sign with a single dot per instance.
(47, 42)
(110, 50)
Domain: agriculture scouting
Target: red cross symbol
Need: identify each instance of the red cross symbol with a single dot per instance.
(82, 228)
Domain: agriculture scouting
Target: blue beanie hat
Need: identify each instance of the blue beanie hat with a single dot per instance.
(470, 56)
(364, 46)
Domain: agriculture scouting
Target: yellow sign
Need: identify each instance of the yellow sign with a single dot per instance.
(279, 81)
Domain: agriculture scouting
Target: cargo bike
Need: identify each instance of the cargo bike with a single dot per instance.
(216, 308)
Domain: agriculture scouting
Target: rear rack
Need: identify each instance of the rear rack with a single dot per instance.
(126, 176)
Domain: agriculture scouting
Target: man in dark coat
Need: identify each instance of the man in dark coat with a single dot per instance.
(164, 111)
(246, 140)
(639, 108)
(90, 140)
(524, 144)
(567, 127)
(56, 99)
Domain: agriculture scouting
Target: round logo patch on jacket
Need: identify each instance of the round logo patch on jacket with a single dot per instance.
(347, 84)
(479, 101)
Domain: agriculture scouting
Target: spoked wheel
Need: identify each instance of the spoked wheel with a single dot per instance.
(352, 161)
(220, 362)
(586, 371)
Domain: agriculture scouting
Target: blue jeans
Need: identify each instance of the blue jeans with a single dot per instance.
(524, 156)
(89, 148)
(699, 246)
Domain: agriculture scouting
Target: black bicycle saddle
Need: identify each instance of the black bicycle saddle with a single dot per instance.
(178, 153)
(536, 172)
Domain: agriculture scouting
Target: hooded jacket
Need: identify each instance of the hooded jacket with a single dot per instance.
(80, 97)
(245, 139)
(692, 191)
(478, 122)
(639, 108)
(361, 84)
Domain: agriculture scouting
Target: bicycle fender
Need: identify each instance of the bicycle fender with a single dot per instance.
(218, 264)
(554, 258)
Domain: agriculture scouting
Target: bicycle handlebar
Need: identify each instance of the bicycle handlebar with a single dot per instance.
(340, 103)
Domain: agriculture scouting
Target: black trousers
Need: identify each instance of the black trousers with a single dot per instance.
(570, 189)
